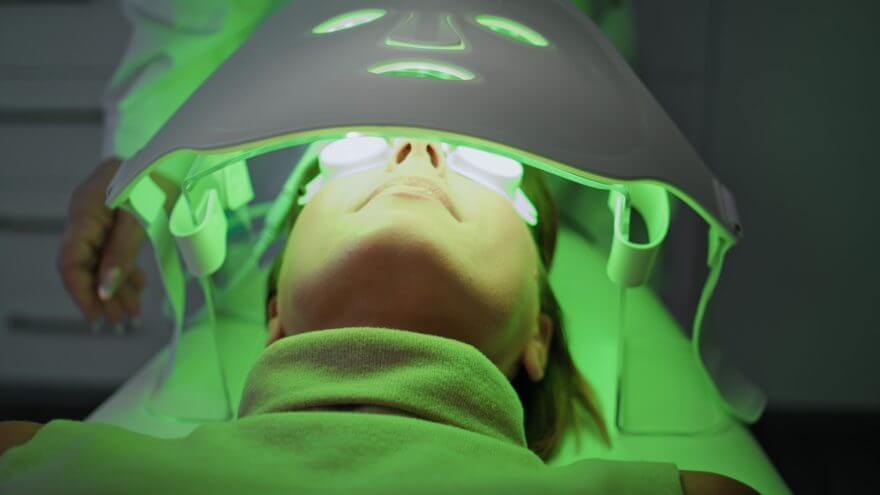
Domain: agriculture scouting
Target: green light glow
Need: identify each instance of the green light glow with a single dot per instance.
(429, 70)
(420, 46)
(424, 46)
(512, 30)
(348, 21)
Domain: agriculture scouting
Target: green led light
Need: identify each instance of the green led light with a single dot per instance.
(512, 29)
(424, 46)
(348, 21)
(427, 70)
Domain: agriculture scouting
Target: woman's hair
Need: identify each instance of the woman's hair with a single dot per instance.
(549, 405)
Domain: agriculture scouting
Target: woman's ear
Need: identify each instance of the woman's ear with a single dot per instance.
(274, 322)
(538, 348)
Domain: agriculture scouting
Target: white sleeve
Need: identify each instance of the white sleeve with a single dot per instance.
(174, 46)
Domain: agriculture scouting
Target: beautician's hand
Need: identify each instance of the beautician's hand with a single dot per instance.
(96, 259)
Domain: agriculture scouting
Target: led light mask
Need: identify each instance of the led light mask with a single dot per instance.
(503, 84)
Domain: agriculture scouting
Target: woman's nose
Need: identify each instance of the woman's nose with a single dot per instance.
(418, 151)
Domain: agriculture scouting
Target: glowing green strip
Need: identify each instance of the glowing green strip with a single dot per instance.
(243, 151)
(402, 44)
(348, 21)
(421, 46)
(414, 68)
(512, 29)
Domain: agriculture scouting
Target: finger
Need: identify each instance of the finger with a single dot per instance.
(137, 279)
(113, 313)
(80, 285)
(87, 233)
(129, 300)
(82, 240)
(118, 256)
(76, 263)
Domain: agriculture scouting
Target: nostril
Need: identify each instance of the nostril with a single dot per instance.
(402, 154)
(435, 160)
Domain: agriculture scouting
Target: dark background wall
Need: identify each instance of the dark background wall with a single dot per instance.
(794, 134)
(780, 100)
(778, 97)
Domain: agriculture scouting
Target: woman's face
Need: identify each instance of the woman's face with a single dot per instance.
(468, 272)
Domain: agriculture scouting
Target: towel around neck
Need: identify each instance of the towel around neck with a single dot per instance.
(426, 376)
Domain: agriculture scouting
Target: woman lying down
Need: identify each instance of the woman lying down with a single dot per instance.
(414, 346)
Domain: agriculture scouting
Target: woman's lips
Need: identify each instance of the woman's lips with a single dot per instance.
(417, 186)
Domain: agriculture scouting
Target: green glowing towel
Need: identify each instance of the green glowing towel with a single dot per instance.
(448, 421)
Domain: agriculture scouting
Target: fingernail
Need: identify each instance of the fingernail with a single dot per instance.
(109, 284)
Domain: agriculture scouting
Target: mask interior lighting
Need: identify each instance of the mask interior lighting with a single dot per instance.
(512, 29)
(348, 21)
(421, 69)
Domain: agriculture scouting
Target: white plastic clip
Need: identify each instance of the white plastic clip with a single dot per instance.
(201, 238)
(630, 263)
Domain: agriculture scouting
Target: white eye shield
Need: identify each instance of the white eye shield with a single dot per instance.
(356, 154)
